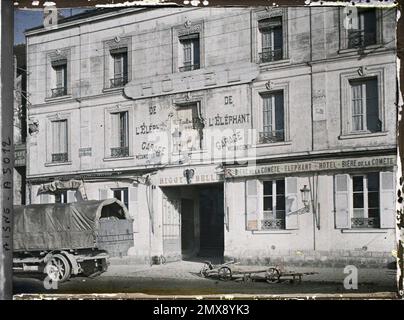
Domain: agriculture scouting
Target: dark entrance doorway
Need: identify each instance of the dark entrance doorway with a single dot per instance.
(211, 215)
(193, 222)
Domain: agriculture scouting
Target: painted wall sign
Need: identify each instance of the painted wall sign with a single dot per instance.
(200, 175)
(85, 152)
(315, 165)
(218, 76)
(228, 119)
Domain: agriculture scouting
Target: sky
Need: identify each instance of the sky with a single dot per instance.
(26, 19)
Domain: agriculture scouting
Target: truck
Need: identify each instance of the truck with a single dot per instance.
(61, 240)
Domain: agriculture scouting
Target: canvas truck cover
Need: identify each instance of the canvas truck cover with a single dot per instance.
(62, 226)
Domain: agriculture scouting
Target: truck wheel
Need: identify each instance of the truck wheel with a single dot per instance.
(58, 268)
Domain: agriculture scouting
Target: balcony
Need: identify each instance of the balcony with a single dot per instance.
(120, 152)
(273, 224)
(119, 81)
(365, 223)
(270, 55)
(59, 157)
(271, 136)
(59, 92)
(360, 39)
(189, 67)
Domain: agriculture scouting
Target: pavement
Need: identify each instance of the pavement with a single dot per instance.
(183, 279)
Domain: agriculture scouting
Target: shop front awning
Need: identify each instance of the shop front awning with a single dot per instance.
(60, 185)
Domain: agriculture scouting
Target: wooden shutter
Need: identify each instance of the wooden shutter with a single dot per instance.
(134, 207)
(387, 200)
(45, 198)
(105, 194)
(71, 196)
(115, 132)
(342, 201)
(252, 204)
(291, 205)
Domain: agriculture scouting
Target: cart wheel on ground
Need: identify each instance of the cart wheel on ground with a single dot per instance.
(224, 273)
(58, 268)
(272, 275)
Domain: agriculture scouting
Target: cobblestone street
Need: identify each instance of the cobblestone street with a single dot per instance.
(182, 278)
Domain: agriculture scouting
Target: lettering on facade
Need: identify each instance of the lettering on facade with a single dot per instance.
(228, 100)
(317, 165)
(224, 120)
(197, 178)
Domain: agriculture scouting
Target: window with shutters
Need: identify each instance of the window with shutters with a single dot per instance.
(120, 134)
(60, 141)
(364, 200)
(271, 39)
(120, 67)
(365, 106)
(273, 124)
(189, 53)
(121, 194)
(273, 205)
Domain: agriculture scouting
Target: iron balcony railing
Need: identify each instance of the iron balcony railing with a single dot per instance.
(118, 81)
(120, 152)
(360, 38)
(272, 224)
(59, 91)
(189, 67)
(59, 157)
(271, 136)
(365, 222)
(270, 55)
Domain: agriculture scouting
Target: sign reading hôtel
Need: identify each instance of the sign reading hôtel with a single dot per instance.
(314, 165)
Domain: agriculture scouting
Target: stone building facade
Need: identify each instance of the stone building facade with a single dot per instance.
(257, 134)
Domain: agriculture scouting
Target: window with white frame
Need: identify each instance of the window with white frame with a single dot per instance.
(273, 204)
(61, 196)
(364, 200)
(364, 28)
(59, 69)
(122, 195)
(273, 119)
(189, 52)
(120, 67)
(120, 134)
(271, 39)
(187, 128)
(59, 141)
(365, 106)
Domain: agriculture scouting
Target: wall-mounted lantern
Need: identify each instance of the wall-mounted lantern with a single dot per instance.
(305, 196)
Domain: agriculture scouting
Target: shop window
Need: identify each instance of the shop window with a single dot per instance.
(271, 39)
(60, 141)
(365, 106)
(120, 134)
(364, 200)
(189, 53)
(273, 125)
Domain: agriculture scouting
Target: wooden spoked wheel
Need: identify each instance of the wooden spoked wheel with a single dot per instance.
(224, 273)
(272, 275)
(58, 268)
